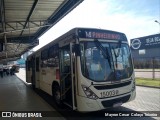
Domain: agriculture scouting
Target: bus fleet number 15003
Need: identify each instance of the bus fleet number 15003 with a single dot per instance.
(109, 93)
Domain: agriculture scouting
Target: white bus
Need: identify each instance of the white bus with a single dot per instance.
(87, 69)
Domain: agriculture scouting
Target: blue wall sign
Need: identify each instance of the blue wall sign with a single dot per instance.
(152, 41)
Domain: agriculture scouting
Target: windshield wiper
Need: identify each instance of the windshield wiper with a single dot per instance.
(119, 48)
(118, 53)
(104, 50)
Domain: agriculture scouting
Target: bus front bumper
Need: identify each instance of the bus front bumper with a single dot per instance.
(88, 105)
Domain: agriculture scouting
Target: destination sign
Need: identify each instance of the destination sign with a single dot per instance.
(152, 41)
(101, 34)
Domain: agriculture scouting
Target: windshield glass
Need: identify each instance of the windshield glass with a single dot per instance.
(114, 65)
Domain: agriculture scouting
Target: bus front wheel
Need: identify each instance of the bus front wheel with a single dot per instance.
(56, 95)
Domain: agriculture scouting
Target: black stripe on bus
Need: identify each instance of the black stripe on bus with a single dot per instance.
(110, 103)
(112, 86)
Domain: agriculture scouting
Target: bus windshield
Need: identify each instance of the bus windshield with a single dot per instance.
(115, 65)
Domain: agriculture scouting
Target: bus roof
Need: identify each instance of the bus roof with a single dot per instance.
(92, 33)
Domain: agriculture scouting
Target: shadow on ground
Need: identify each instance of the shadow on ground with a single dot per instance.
(98, 115)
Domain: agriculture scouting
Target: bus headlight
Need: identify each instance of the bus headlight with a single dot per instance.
(89, 92)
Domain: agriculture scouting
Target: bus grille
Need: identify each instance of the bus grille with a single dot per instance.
(112, 86)
(110, 103)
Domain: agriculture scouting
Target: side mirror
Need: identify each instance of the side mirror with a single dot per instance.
(76, 49)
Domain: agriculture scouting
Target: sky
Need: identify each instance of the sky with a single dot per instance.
(135, 18)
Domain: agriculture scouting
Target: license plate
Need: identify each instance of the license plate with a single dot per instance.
(109, 93)
(117, 104)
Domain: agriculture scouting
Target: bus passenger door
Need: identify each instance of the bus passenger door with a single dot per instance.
(66, 75)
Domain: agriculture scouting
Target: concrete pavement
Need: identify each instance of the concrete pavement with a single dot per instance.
(17, 96)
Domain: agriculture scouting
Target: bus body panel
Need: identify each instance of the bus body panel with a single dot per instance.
(47, 78)
(37, 70)
(85, 104)
(28, 71)
(28, 76)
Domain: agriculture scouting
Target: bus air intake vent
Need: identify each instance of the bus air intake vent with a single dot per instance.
(112, 86)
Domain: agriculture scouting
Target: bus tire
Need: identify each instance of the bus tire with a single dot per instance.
(56, 95)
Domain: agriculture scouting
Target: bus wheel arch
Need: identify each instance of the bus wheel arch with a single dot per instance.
(56, 93)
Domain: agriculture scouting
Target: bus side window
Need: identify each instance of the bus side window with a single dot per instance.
(53, 58)
(66, 62)
(44, 57)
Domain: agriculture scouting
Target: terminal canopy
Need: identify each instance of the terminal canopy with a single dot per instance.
(22, 22)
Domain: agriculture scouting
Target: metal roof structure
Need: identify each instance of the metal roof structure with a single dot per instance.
(22, 22)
